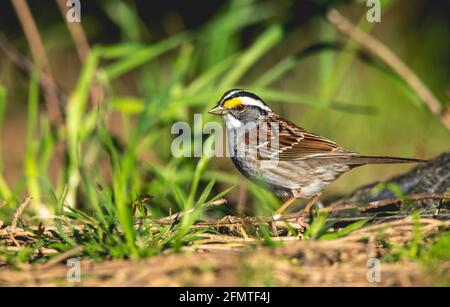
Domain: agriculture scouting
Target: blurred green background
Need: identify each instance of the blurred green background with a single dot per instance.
(158, 64)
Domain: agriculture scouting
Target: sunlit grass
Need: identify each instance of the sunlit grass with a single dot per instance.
(102, 173)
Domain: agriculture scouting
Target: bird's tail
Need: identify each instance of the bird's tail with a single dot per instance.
(361, 160)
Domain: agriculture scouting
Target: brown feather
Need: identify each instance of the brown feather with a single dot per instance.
(297, 143)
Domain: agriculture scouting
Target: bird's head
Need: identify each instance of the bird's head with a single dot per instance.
(239, 107)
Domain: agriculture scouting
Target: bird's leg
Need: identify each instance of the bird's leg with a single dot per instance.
(277, 214)
(309, 204)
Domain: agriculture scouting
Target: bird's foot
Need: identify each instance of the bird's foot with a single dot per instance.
(300, 220)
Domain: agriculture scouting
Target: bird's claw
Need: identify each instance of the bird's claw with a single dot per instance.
(301, 221)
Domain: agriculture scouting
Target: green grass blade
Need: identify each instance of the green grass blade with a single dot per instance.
(344, 231)
(264, 42)
(75, 112)
(206, 192)
(31, 168)
(144, 55)
(5, 191)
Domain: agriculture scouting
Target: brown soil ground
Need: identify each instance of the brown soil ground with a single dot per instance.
(223, 260)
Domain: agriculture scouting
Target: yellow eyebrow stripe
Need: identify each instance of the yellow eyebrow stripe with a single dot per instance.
(231, 103)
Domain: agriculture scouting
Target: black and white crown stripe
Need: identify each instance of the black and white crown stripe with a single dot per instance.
(247, 98)
(253, 102)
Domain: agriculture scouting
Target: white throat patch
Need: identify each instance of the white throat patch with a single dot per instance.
(231, 121)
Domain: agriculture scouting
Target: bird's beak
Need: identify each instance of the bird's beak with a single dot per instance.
(218, 110)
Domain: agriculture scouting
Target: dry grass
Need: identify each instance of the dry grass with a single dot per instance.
(228, 260)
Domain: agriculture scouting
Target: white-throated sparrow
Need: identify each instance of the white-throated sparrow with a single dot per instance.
(290, 161)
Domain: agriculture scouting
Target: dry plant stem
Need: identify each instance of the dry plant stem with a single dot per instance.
(242, 200)
(38, 52)
(11, 236)
(214, 238)
(82, 46)
(52, 101)
(19, 212)
(76, 31)
(385, 54)
(26, 65)
(54, 261)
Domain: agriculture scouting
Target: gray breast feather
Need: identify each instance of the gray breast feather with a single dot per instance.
(287, 178)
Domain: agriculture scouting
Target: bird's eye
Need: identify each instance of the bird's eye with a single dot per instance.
(240, 107)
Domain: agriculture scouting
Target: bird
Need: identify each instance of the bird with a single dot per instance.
(286, 159)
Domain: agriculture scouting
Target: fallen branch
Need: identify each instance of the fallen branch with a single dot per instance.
(230, 221)
(385, 202)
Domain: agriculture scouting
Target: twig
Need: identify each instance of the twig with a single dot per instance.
(385, 54)
(38, 52)
(19, 212)
(14, 239)
(57, 259)
(214, 238)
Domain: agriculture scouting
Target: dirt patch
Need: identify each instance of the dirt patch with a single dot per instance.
(297, 263)
(230, 261)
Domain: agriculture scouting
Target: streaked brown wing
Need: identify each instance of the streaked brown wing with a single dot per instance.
(297, 143)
